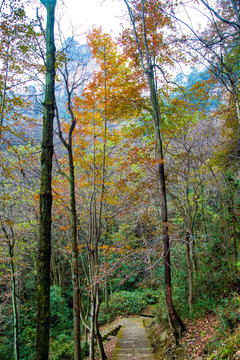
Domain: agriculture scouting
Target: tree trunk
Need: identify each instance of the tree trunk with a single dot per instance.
(14, 303)
(235, 250)
(189, 223)
(95, 226)
(74, 236)
(106, 294)
(14, 297)
(175, 321)
(75, 270)
(98, 334)
(194, 257)
(44, 248)
(92, 324)
(190, 273)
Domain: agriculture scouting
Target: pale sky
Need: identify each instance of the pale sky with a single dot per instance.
(85, 14)
(82, 15)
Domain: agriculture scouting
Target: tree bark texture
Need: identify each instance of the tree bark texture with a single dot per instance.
(44, 247)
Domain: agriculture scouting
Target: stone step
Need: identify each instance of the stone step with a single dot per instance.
(132, 342)
(110, 328)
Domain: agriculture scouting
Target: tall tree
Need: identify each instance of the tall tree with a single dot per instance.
(74, 74)
(148, 42)
(44, 248)
(103, 104)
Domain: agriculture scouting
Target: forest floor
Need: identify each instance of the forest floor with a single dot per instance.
(192, 345)
(202, 340)
(109, 346)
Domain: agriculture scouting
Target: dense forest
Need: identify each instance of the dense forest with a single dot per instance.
(119, 180)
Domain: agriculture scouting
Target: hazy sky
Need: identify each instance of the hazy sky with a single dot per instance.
(82, 15)
(88, 13)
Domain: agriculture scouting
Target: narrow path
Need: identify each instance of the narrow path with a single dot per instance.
(132, 342)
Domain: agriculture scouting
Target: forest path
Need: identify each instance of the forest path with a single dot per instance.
(133, 342)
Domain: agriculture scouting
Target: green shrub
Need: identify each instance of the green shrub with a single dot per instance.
(6, 351)
(27, 341)
(127, 303)
(149, 295)
(61, 348)
(229, 313)
(61, 314)
(105, 316)
(85, 349)
(229, 348)
(204, 304)
(160, 313)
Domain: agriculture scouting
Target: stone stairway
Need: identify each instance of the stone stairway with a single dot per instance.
(132, 342)
(110, 328)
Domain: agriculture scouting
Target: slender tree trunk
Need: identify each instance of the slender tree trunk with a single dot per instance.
(75, 269)
(235, 250)
(98, 334)
(15, 309)
(94, 328)
(54, 272)
(234, 222)
(194, 257)
(44, 248)
(74, 236)
(238, 110)
(84, 315)
(95, 226)
(106, 293)
(92, 325)
(92, 331)
(236, 100)
(175, 321)
(95, 304)
(14, 297)
(234, 236)
(189, 223)
(99, 225)
(190, 273)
